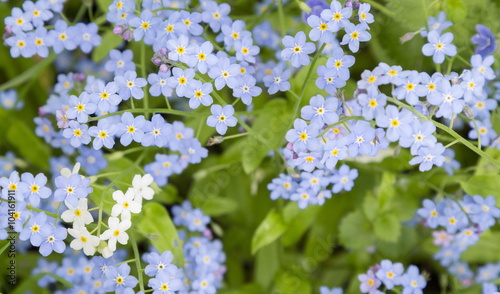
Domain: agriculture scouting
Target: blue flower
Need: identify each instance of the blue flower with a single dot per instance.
(412, 281)
(232, 33)
(71, 189)
(337, 16)
(482, 66)
(304, 197)
(321, 111)
(53, 240)
(303, 136)
(9, 100)
(155, 132)
(41, 41)
(245, 50)
(430, 212)
(130, 128)
(216, 15)
(450, 99)
(158, 263)
(297, 49)
(438, 24)
(355, 34)
(364, 13)
(192, 152)
(283, 186)
(166, 282)
(103, 134)
(118, 279)
(19, 20)
(107, 95)
(485, 41)
(87, 36)
(204, 57)
(427, 156)
(390, 274)
(36, 188)
(20, 45)
(373, 103)
(484, 130)
(145, 26)
(91, 160)
(453, 219)
(196, 221)
(265, 35)
(224, 72)
(63, 37)
(221, 118)
(159, 85)
(192, 22)
(320, 30)
(130, 85)
(120, 62)
(410, 88)
(77, 133)
(181, 80)
(373, 79)
(396, 122)
(44, 128)
(325, 290)
(422, 134)
(37, 226)
(334, 150)
(439, 46)
(307, 161)
(340, 63)
(328, 79)
(486, 213)
(81, 107)
(360, 139)
(343, 179)
(179, 49)
(199, 94)
(278, 80)
(246, 89)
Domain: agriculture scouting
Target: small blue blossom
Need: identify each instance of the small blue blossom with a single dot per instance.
(103, 134)
(199, 93)
(482, 66)
(130, 128)
(354, 35)
(129, 85)
(91, 160)
(36, 188)
(277, 80)
(337, 16)
(118, 279)
(439, 46)
(297, 49)
(343, 179)
(412, 281)
(390, 274)
(485, 41)
(120, 62)
(53, 240)
(77, 133)
(221, 118)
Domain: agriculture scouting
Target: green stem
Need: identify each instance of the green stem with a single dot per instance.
(235, 136)
(137, 261)
(30, 73)
(448, 130)
(342, 121)
(478, 134)
(146, 110)
(463, 60)
(451, 144)
(79, 14)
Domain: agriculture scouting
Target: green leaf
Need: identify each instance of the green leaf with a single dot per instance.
(4, 247)
(267, 264)
(103, 5)
(386, 190)
(356, 231)
(455, 10)
(270, 128)
(217, 206)
(109, 41)
(270, 229)
(298, 225)
(371, 207)
(30, 147)
(157, 226)
(483, 185)
(387, 227)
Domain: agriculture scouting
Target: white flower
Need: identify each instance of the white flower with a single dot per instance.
(141, 188)
(66, 172)
(83, 239)
(116, 232)
(125, 204)
(78, 215)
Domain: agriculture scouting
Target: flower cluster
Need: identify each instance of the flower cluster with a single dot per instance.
(392, 275)
(463, 222)
(27, 36)
(204, 258)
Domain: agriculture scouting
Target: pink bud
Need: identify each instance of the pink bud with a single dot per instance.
(8, 29)
(164, 68)
(118, 30)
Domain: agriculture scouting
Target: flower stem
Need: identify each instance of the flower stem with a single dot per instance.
(137, 261)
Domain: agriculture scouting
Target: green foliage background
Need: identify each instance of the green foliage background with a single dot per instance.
(273, 246)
